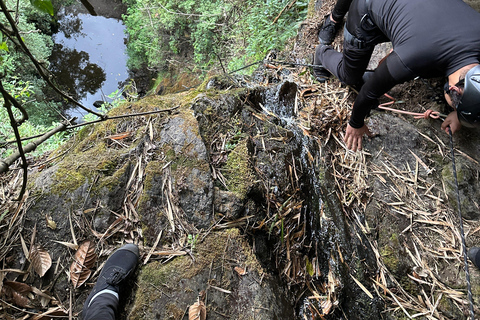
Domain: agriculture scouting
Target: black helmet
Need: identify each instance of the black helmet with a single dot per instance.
(468, 110)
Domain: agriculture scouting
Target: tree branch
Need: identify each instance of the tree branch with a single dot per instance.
(286, 8)
(5, 163)
(13, 122)
(122, 116)
(31, 146)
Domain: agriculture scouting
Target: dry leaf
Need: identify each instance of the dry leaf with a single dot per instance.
(72, 246)
(19, 287)
(120, 136)
(50, 222)
(197, 311)
(16, 293)
(240, 271)
(40, 259)
(85, 258)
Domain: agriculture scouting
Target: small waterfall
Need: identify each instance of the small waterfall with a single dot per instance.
(325, 226)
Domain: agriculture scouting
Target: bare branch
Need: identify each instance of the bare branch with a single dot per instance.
(31, 146)
(13, 122)
(286, 8)
(5, 163)
(122, 116)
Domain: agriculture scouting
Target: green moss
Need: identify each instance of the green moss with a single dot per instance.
(167, 276)
(113, 180)
(69, 180)
(409, 285)
(447, 174)
(80, 167)
(389, 258)
(449, 308)
(238, 171)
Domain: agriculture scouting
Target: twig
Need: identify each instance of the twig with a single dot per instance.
(286, 8)
(13, 123)
(121, 117)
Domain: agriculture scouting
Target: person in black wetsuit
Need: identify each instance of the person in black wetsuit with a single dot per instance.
(430, 38)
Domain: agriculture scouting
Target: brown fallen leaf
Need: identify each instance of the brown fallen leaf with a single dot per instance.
(85, 258)
(240, 271)
(16, 292)
(40, 259)
(197, 311)
(119, 136)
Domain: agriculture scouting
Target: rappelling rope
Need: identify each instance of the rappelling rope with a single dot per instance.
(417, 115)
(462, 234)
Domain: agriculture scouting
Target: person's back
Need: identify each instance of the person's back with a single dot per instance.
(431, 37)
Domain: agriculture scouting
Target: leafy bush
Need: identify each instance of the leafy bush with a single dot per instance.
(237, 32)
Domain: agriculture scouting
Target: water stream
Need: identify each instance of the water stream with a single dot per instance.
(89, 57)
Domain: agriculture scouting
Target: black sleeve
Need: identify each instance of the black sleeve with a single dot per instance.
(379, 83)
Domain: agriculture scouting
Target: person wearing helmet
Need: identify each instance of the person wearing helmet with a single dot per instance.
(430, 38)
(464, 96)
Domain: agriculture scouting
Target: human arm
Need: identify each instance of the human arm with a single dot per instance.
(379, 83)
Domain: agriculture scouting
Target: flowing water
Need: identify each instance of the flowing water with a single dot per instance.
(89, 57)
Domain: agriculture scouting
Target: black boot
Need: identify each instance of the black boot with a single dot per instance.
(474, 255)
(102, 302)
(321, 74)
(328, 31)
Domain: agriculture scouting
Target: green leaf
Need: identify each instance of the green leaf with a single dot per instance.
(43, 5)
(309, 266)
(4, 46)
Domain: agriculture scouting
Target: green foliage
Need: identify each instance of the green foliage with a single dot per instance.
(115, 98)
(192, 240)
(43, 5)
(237, 32)
(20, 78)
(23, 91)
(27, 129)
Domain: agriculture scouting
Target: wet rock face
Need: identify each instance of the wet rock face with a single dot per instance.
(192, 178)
(468, 188)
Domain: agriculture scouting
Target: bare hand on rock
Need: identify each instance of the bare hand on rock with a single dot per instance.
(353, 137)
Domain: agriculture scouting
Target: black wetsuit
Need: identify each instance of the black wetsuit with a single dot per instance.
(430, 38)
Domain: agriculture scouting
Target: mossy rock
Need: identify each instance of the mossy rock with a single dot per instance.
(166, 288)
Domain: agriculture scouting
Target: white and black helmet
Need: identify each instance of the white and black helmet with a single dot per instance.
(468, 110)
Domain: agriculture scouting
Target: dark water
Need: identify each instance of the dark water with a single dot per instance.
(89, 58)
